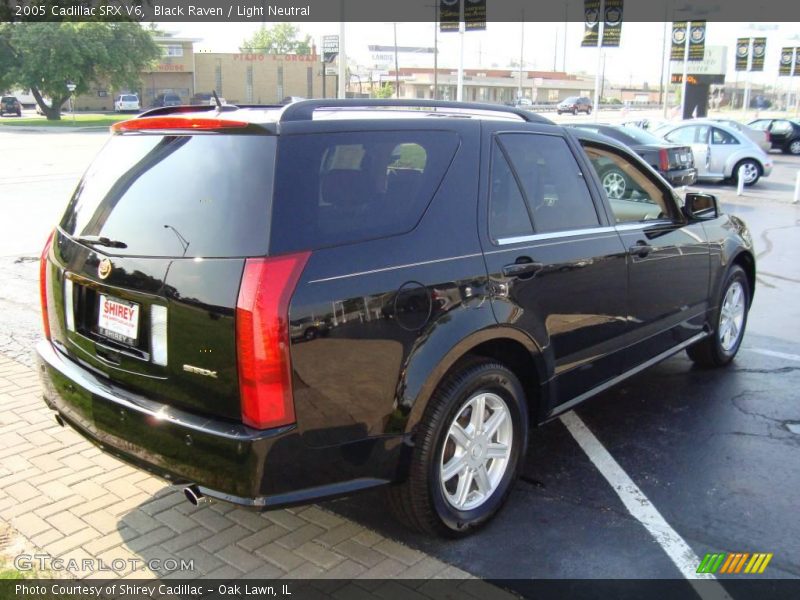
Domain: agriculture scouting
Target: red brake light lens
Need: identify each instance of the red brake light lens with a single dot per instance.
(43, 272)
(262, 339)
(663, 159)
(176, 122)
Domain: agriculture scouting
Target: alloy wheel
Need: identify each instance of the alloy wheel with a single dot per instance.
(476, 451)
(731, 317)
(615, 185)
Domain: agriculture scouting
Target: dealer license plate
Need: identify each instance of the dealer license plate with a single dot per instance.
(118, 320)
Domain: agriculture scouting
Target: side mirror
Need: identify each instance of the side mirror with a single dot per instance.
(700, 206)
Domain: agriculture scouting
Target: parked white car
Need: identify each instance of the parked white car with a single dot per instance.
(719, 150)
(127, 102)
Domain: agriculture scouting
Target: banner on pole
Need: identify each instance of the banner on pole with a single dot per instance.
(612, 30)
(591, 13)
(697, 40)
(759, 52)
(787, 58)
(475, 15)
(449, 15)
(796, 69)
(742, 53)
(678, 40)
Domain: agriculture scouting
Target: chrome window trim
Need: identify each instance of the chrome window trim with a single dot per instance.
(634, 225)
(552, 235)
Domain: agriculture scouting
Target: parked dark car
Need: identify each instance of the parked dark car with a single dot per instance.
(473, 276)
(784, 133)
(674, 162)
(167, 100)
(10, 105)
(574, 105)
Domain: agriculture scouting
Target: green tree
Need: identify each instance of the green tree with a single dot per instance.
(281, 38)
(46, 56)
(385, 91)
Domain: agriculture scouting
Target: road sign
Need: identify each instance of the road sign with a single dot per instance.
(71, 87)
(330, 47)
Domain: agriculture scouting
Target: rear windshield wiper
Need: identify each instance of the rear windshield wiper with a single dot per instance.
(98, 240)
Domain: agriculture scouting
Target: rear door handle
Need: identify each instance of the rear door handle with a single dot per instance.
(640, 249)
(524, 267)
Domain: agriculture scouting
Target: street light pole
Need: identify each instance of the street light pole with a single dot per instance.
(600, 29)
(396, 65)
(341, 92)
(521, 50)
(685, 81)
(436, 50)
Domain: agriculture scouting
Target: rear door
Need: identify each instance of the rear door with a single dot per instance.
(149, 258)
(722, 145)
(696, 137)
(668, 259)
(556, 268)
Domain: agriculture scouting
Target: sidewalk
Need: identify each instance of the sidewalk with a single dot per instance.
(63, 497)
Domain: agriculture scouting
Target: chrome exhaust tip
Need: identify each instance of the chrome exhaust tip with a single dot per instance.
(195, 496)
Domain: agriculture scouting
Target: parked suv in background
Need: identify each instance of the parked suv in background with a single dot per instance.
(163, 100)
(574, 105)
(10, 104)
(465, 273)
(127, 102)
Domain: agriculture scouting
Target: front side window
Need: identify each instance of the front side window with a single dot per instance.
(552, 183)
(694, 134)
(632, 195)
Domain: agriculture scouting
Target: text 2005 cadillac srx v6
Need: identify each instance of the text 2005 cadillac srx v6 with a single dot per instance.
(270, 306)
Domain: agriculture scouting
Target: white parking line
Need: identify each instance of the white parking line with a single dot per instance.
(774, 354)
(643, 510)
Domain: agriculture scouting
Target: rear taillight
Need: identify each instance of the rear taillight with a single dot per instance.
(44, 273)
(663, 159)
(262, 339)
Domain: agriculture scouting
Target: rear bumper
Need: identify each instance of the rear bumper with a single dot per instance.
(679, 177)
(227, 461)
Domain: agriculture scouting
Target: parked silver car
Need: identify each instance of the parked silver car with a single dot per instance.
(760, 137)
(719, 150)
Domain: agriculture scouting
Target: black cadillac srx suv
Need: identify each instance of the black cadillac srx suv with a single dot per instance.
(274, 305)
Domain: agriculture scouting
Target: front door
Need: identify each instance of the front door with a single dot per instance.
(695, 136)
(557, 268)
(668, 259)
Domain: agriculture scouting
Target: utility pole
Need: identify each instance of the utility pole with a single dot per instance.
(566, 23)
(396, 66)
(521, 49)
(685, 81)
(600, 29)
(460, 82)
(342, 59)
(435, 50)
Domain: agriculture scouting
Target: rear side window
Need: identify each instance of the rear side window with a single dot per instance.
(177, 195)
(339, 188)
(552, 182)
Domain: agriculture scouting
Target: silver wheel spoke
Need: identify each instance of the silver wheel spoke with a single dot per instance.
(454, 467)
(462, 490)
(482, 480)
(460, 436)
(478, 409)
(497, 451)
(494, 422)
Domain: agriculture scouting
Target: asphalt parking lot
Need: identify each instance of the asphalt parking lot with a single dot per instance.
(716, 454)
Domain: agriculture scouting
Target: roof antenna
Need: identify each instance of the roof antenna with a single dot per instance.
(216, 99)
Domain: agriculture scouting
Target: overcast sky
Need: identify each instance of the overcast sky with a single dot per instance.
(637, 60)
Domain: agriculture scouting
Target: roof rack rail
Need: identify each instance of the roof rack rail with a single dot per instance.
(303, 110)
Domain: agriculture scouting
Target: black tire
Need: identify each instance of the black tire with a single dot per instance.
(588, 111)
(746, 161)
(311, 333)
(710, 352)
(419, 501)
(574, 111)
(558, 111)
(793, 147)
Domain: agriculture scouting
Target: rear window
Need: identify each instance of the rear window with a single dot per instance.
(177, 196)
(129, 98)
(339, 188)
